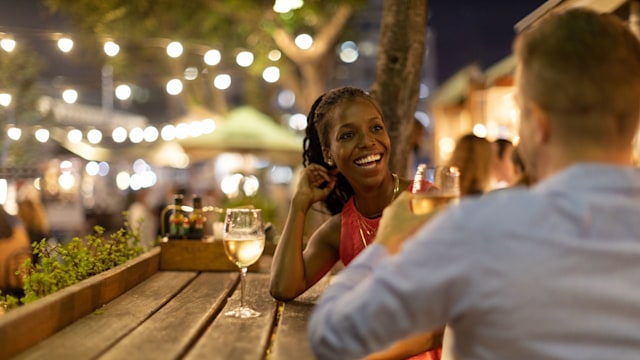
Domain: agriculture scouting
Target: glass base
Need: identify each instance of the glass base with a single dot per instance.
(242, 312)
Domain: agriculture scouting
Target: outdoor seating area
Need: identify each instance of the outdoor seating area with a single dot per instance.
(141, 311)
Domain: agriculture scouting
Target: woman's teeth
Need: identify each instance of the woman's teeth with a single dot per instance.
(368, 161)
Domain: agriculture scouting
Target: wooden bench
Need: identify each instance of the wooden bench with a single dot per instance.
(176, 315)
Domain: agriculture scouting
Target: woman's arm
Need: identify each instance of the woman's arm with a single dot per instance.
(294, 269)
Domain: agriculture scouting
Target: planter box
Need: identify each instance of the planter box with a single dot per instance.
(27, 325)
(23, 327)
(198, 255)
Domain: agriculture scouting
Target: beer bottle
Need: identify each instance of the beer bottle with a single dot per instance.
(196, 219)
(177, 218)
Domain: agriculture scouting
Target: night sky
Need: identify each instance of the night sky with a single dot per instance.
(478, 31)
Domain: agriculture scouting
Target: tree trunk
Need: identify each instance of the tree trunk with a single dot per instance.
(398, 69)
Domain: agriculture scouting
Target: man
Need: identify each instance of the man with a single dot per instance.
(548, 272)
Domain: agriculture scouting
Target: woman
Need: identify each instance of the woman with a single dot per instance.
(346, 159)
(473, 156)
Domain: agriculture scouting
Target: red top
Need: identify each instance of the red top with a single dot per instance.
(352, 233)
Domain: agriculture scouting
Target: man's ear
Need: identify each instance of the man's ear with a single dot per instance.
(541, 119)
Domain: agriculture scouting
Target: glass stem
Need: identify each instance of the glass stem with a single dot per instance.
(243, 281)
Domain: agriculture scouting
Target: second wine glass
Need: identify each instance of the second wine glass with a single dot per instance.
(243, 238)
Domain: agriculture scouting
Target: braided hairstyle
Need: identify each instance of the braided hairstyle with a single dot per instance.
(317, 137)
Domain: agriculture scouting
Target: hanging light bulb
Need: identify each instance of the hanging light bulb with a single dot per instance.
(174, 49)
(42, 135)
(5, 99)
(111, 48)
(14, 133)
(284, 6)
(65, 44)
(70, 96)
(8, 44)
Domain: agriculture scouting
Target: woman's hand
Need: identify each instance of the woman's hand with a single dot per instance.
(315, 184)
(398, 222)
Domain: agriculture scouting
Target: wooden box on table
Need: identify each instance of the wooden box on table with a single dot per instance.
(199, 255)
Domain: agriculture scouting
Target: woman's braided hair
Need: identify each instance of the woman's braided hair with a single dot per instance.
(317, 135)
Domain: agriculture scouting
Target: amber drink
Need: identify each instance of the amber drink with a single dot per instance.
(434, 188)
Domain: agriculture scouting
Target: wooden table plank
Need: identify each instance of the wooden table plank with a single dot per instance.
(96, 332)
(27, 325)
(290, 341)
(169, 332)
(240, 339)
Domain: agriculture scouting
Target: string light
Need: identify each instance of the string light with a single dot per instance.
(244, 58)
(70, 96)
(42, 135)
(123, 92)
(94, 136)
(174, 87)
(150, 134)
(271, 74)
(5, 99)
(174, 49)
(222, 81)
(212, 57)
(119, 134)
(304, 41)
(168, 132)
(8, 44)
(65, 44)
(74, 136)
(14, 133)
(111, 48)
(284, 6)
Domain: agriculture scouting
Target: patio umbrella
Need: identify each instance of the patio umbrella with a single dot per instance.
(246, 130)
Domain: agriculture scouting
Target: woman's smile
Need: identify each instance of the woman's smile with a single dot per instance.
(368, 161)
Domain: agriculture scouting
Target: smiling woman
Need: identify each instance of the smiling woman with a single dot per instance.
(346, 159)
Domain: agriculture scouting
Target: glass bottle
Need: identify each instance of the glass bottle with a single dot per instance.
(196, 219)
(420, 183)
(177, 218)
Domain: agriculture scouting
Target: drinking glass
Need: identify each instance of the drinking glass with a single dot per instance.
(434, 188)
(243, 239)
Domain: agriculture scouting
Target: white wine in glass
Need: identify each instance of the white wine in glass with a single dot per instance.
(243, 238)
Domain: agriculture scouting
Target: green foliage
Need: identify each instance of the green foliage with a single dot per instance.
(63, 265)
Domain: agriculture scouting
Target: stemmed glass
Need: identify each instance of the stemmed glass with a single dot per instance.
(434, 188)
(243, 239)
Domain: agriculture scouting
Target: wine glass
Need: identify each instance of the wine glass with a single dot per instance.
(434, 188)
(243, 238)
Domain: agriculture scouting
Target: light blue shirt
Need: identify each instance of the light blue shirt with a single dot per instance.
(547, 273)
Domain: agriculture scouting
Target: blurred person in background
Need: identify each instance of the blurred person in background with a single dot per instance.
(14, 250)
(503, 173)
(143, 219)
(520, 177)
(32, 212)
(473, 157)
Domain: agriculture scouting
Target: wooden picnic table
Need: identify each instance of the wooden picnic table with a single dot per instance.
(179, 315)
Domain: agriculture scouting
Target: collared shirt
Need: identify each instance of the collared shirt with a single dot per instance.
(551, 272)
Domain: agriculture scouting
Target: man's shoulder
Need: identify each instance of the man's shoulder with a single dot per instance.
(498, 201)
